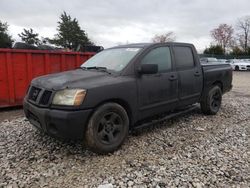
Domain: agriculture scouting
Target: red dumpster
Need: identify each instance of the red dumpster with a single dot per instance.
(19, 67)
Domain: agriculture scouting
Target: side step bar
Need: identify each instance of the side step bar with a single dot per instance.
(167, 117)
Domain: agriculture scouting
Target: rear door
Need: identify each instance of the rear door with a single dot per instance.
(189, 74)
(158, 92)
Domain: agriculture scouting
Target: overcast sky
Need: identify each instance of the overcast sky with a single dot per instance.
(112, 22)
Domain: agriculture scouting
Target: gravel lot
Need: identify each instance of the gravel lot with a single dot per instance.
(189, 151)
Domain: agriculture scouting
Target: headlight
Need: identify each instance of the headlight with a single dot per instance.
(70, 97)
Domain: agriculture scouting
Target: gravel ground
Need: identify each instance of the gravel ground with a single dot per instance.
(11, 113)
(190, 151)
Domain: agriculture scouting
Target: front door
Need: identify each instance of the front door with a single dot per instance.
(158, 92)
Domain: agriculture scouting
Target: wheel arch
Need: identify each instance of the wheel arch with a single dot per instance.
(121, 102)
(218, 83)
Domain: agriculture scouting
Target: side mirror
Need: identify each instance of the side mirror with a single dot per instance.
(148, 69)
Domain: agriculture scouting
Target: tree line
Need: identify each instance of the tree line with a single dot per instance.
(231, 40)
(226, 38)
(70, 35)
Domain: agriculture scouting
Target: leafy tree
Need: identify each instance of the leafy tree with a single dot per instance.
(248, 51)
(5, 39)
(70, 35)
(223, 35)
(167, 37)
(237, 51)
(29, 37)
(214, 49)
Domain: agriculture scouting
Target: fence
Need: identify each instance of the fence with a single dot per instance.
(224, 56)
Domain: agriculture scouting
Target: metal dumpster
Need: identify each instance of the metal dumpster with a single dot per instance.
(19, 67)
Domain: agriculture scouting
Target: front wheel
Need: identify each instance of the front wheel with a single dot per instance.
(107, 128)
(211, 101)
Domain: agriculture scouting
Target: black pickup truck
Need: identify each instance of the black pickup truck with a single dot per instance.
(120, 87)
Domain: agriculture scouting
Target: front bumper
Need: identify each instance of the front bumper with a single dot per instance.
(57, 123)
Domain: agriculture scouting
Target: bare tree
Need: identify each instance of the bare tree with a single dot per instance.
(243, 25)
(167, 37)
(223, 35)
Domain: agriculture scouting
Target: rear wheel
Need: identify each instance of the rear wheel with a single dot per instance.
(211, 101)
(107, 128)
(237, 68)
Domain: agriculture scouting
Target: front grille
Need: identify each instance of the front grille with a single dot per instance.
(45, 97)
(34, 93)
(39, 96)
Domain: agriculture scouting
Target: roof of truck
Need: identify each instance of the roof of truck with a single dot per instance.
(142, 45)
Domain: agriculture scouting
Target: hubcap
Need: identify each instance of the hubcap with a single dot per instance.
(216, 100)
(109, 128)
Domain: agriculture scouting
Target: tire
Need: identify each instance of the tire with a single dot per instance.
(236, 68)
(107, 128)
(211, 101)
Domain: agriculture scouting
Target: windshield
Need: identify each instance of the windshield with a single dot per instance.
(112, 59)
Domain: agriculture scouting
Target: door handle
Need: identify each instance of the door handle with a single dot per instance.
(197, 73)
(172, 78)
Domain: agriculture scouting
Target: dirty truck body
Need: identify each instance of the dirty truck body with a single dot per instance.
(119, 87)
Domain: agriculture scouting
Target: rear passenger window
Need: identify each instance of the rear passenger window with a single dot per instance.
(184, 57)
(160, 56)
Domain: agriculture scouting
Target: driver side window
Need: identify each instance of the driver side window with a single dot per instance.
(160, 56)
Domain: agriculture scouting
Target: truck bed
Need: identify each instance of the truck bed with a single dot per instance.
(217, 71)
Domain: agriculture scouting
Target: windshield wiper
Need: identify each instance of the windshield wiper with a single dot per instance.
(96, 68)
(84, 68)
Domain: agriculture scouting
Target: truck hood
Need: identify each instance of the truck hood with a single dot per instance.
(73, 79)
